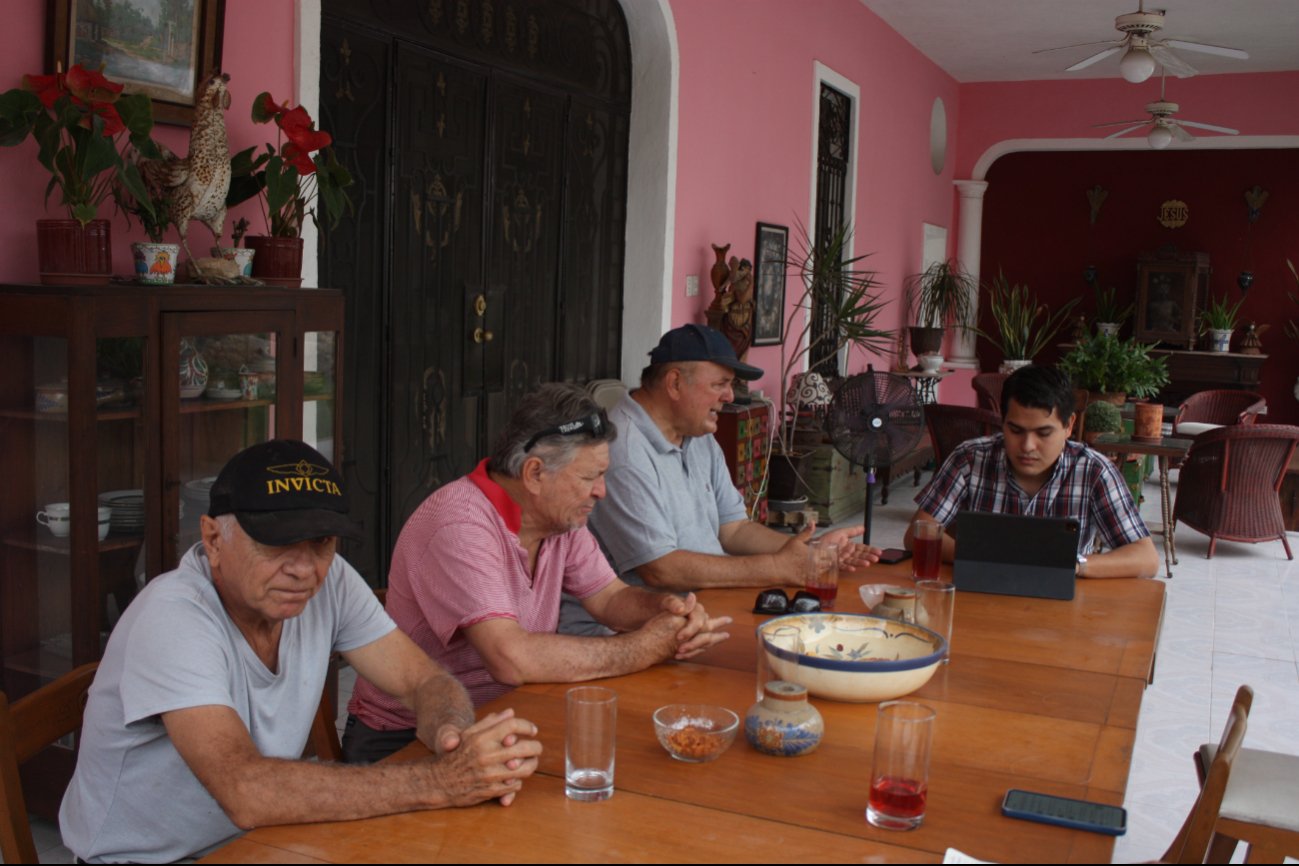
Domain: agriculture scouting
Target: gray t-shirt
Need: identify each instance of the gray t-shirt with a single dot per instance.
(660, 498)
(132, 797)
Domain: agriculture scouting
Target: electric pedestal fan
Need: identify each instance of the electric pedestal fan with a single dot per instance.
(875, 419)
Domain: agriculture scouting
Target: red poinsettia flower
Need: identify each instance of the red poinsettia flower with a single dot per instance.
(112, 120)
(298, 158)
(48, 88)
(299, 128)
(91, 86)
(265, 107)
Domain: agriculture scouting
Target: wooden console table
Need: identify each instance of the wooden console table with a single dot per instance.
(1189, 372)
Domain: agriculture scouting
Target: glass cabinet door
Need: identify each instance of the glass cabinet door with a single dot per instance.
(320, 376)
(230, 384)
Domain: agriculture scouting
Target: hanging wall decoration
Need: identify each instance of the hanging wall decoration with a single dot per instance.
(1173, 214)
(1255, 198)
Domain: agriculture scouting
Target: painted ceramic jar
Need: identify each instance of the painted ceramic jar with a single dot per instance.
(783, 723)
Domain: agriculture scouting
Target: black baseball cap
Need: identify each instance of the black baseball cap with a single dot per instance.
(283, 492)
(701, 343)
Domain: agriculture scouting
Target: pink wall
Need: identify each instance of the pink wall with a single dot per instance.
(746, 138)
(258, 56)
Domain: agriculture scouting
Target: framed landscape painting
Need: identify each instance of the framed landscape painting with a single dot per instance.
(164, 48)
(769, 252)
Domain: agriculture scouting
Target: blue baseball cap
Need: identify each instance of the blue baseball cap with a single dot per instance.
(701, 343)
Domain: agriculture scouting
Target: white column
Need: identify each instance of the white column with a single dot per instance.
(969, 245)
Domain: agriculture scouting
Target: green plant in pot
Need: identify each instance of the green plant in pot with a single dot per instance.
(834, 283)
(1110, 314)
(1115, 369)
(1218, 320)
(1024, 325)
(1101, 418)
(943, 295)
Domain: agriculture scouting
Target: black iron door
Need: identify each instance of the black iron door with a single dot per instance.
(485, 255)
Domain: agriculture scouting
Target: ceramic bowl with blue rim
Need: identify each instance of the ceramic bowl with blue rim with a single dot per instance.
(851, 657)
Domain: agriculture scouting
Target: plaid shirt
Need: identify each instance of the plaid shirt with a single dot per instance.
(1084, 485)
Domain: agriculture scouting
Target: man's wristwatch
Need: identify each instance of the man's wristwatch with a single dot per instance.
(1081, 570)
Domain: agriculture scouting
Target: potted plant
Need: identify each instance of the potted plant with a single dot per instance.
(1101, 418)
(155, 260)
(1024, 327)
(1110, 314)
(292, 185)
(1218, 320)
(1114, 369)
(835, 284)
(941, 296)
(81, 122)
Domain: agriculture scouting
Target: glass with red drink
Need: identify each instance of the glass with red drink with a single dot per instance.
(904, 733)
(926, 549)
(822, 576)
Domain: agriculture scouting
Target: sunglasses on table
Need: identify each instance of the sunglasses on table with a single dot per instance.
(773, 601)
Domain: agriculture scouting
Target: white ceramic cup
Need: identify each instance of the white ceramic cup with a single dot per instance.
(105, 521)
(56, 518)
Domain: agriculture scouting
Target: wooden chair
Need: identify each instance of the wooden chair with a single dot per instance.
(1193, 842)
(1260, 806)
(1206, 410)
(949, 426)
(1230, 483)
(988, 388)
(26, 727)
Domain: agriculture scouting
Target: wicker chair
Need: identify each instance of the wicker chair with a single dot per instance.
(1207, 410)
(1230, 482)
(949, 426)
(988, 388)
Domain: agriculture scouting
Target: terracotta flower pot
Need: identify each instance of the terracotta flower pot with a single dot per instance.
(70, 254)
(276, 261)
(1148, 421)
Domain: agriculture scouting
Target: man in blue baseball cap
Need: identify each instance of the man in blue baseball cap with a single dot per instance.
(672, 518)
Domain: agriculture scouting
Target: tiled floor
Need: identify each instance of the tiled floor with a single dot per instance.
(1230, 620)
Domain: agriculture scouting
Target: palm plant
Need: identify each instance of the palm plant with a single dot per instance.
(1220, 315)
(942, 295)
(1108, 308)
(1024, 326)
(836, 285)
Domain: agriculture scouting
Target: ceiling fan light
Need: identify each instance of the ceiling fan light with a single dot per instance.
(1160, 137)
(1137, 65)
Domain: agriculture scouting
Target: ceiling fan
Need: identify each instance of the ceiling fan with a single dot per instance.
(1144, 52)
(1163, 126)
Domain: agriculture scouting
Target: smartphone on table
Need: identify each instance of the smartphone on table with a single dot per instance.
(1065, 812)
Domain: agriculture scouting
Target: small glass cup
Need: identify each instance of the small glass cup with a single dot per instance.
(822, 575)
(904, 733)
(591, 716)
(926, 549)
(935, 604)
(785, 637)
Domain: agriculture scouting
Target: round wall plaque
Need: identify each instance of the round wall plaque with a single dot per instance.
(1173, 214)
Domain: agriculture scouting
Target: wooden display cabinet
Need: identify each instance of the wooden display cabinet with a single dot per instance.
(1172, 289)
(744, 432)
(91, 411)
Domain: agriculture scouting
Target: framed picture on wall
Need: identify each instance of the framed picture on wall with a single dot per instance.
(769, 253)
(164, 49)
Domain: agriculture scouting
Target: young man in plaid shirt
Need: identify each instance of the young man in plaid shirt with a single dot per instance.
(1032, 467)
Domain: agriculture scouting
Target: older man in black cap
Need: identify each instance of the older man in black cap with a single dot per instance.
(204, 700)
(672, 518)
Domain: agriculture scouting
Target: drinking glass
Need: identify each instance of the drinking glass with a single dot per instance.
(935, 604)
(926, 549)
(591, 718)
(904, 734)
(785, 637)
(822, 575)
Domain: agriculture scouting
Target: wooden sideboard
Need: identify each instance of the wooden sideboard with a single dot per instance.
(1189, 372)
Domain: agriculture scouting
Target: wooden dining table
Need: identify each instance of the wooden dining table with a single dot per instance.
(1039, 694)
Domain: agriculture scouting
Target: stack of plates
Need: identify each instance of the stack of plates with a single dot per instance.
(197, 491)
(128, 511)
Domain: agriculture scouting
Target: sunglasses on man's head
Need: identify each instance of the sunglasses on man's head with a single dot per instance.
(594, 424)
(775, 601)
